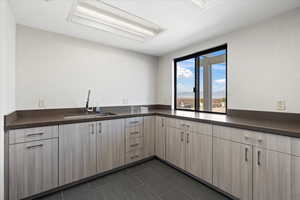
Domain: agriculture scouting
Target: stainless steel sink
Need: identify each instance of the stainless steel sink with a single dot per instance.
(88, 115)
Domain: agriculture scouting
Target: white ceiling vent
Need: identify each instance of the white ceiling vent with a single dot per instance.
(105, 17)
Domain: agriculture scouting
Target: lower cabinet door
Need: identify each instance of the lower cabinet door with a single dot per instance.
(149, 136)
(199, 155)
(295, 178)
(272, 175)
(33, 168)
(110, 144)
(77, 152)
(232, 168)
(160, 137)
(175, 147)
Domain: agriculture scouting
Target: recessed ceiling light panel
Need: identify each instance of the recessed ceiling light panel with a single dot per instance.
(105, 17)
(206, 4)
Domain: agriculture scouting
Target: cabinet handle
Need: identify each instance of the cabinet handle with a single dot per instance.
(134, 145)
(134, 133)
(182, 136)
(258, 158)
(188, 138)
(246, 154)
(162, 122)
(133, 157)
(35, 146)
(100, 127)
(134, 122)
(35, 134)
(93, 128)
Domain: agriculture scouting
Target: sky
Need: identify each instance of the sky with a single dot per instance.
(186, 76)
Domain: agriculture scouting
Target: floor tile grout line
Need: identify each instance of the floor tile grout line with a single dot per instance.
(156, 167)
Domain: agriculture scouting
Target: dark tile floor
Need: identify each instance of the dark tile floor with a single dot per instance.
(152, 180)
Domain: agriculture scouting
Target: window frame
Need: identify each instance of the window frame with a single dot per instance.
(196, 56)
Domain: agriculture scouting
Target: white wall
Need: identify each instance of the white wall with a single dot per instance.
(61, 69)
(263, 65)
(7, 74)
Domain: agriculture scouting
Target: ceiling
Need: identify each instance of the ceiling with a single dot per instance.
(184, 22)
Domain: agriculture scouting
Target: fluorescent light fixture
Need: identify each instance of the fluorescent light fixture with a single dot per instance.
(200, 3)
(102, 16)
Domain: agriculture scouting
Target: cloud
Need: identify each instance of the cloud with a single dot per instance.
(184, 73)
(221, 67)
(223, 80)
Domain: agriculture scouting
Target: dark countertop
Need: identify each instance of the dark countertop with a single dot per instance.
(282, 127)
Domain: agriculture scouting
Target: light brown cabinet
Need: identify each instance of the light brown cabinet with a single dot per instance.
(160, 137)
(77, 152)
(272, 175)
(247, 164)
(189, 146)
(149, 136)
(176, 147)
(275, 169)
(33, 168)
(199, 155)
(110, 146)
(232, 168)
(295, 177)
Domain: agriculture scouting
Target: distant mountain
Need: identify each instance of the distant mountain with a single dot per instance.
(217, 94)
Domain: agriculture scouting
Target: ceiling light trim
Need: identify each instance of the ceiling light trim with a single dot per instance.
(118, 21)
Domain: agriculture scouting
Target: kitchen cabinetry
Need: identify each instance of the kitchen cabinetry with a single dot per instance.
(189, 146)
(149, 136)
(271, 175)
(199, 155)
(232, 168)
(110, 145)
(160, 137)
(176, 147)
(33, 163)
(273, 166)
(77, 152)
(246, 164)
(134, 139)
(295, 177)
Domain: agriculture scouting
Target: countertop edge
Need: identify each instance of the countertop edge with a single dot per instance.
(265, 129)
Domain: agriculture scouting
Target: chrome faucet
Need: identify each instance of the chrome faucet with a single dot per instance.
(87, 108)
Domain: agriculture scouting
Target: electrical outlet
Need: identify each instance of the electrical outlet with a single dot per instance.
(281, 105)
(125, 101)
(41, 103)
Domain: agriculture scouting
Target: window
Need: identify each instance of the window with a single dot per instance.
(201, 81)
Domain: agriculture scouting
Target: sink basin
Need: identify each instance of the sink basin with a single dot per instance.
(85, 115)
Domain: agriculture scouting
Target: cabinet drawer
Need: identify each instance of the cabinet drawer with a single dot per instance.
(33, 168)
(134, 132)
(134, 121)
(32, 134)
(234, 134)
(134, 155)
(175, 123)
(267, 141)
(273, 142)
(134, 143)
(198, 127)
